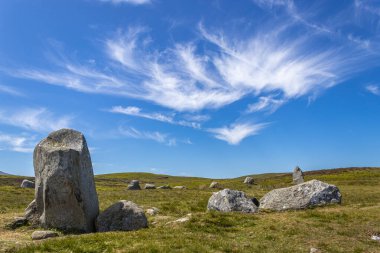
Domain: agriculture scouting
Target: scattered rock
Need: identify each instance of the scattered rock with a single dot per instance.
(40, 235)
(66, 197)
(249, 180)
(149, 186)
(181, 187)
(165, 187)
(311, 193)
(121, 216)
(314, 250)
(27, 184)
(152, 211)
(297, 176)
(18, 222)
(181, 220)
(375, 238)
(134, 185)
(231, 201)
(214, 185)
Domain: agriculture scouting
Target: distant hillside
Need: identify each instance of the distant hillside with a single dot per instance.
(3, 173)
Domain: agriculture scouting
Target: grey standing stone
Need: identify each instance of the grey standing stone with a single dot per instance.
(134, 185)
(231, 201)
(249, 180)
(40, 235)
(308, 194)
(297, 176)
(122, 216)
(27, 184)
(149, 186)
(66, 197)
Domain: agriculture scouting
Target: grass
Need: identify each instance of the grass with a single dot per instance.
(336, 228)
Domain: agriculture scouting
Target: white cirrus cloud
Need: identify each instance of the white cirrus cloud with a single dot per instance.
(17, 143)
(237, 132)
(159, 137)
(269, 104)
(374, 89)
(36, 119)
(10, 90)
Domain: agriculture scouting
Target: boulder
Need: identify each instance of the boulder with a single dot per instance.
(17, 222)
(297, 176)
(308, 194)
(31, 213)
(121, 216)
(149, 186)
(214, 185)
(40, 235)
(249, 180)
(65, 194)
(231, 201)
(27, 184)
(180, 187)
(134, 185)
(152, 211)
(164, 187)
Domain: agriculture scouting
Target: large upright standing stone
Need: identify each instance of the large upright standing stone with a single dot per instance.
(297, 176)
(66, 197)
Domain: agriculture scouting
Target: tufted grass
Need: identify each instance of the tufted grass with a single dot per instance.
(336, 228)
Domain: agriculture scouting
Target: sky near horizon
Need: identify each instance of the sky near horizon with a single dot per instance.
(213, 88)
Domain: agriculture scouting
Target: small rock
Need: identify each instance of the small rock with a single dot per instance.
(18, 222)
(122, 216)
(149, 186)
(39, 235)
(375, 238)
(297, 176)
(249, 180)
(231, 201)
(314, 250)
(152, 211)
(134, 185)
(309, 194)
(181, 220)
(164, 187)
(27, 184)
(181, 187)
(214, 185)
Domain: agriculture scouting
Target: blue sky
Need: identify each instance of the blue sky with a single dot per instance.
(202, 88)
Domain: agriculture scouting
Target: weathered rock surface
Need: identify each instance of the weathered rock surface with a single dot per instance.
(27, 184)
(214, 185)
(164, 187)
(31, 213)
(149, 186)
(121, 216)
(308, 194)
(66, 197)
(153, 211)
(249, 180)
(297, 176)
(180, 187)
(17, 222)
(40, 235)
(134, 185)
(231, 201)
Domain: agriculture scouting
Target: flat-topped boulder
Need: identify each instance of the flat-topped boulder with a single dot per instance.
(308, 194)
(122, 216)
(65, 196)
(297, 176)
(231, 201)
(149, 186)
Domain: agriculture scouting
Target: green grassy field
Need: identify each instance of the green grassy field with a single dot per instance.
(336, 228)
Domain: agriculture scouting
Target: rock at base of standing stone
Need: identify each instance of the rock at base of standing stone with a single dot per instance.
(31, 213)
(297, 176)
(308, 194)
(121, 216)
(66, 197)
(214, 185)
(40, 234)
(249, 180)
(134, 185)
(27, 184)
(149, 186)
(231, 201)
(164, 187)
(18, 222)
(179, 187)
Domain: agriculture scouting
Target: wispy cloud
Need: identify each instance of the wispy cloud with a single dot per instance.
(167, 118)
(374, 89)
(20, 143)
(237, 132)
(269, 104)
(40, 119)
(133, 2)
(154, 136)
(10, 90)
